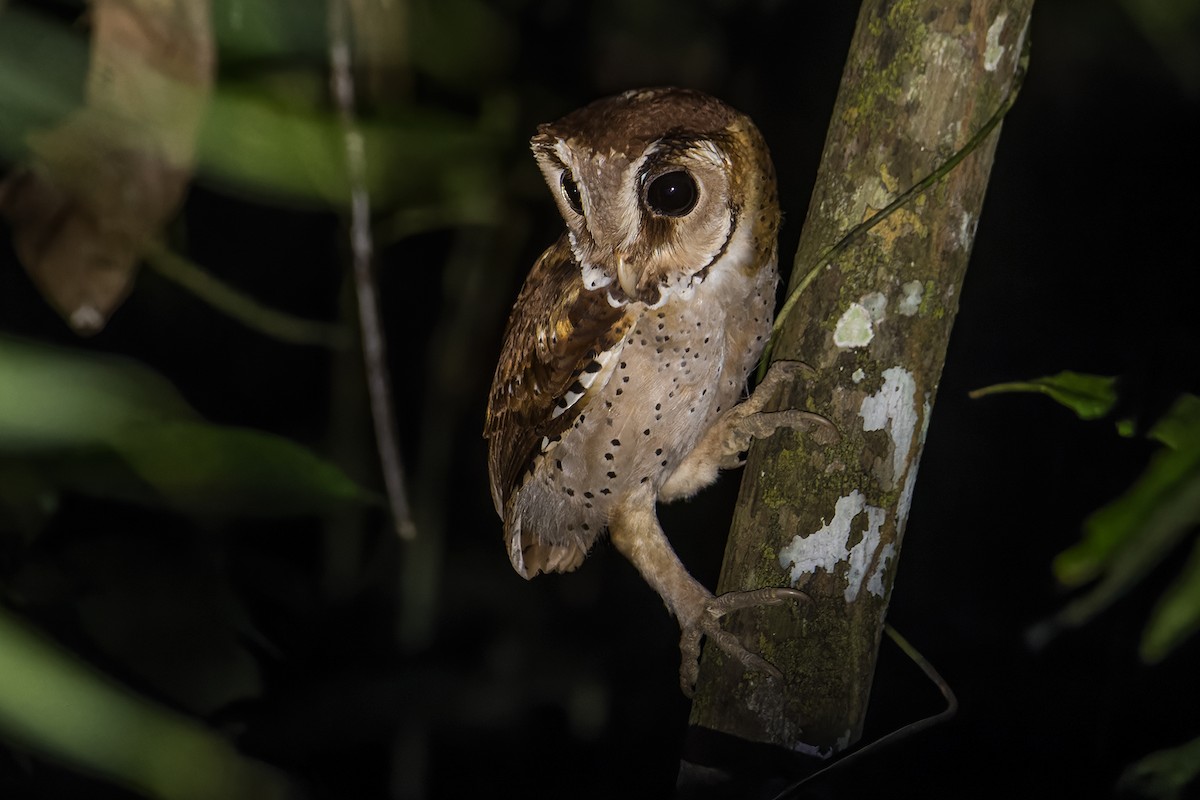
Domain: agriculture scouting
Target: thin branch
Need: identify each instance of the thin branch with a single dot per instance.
(240, 306)
(361, 247)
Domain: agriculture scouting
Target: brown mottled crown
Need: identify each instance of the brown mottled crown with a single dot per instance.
(628, 121)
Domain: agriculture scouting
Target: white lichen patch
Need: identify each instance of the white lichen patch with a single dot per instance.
(910, 480)
(858, 375)
(876, 305)
(893, 408)
(828, 547)
(994, 51)
(854, 327)
(946, 59)
(966, 230)
(910, 298)
(815, 751)
(875, 582)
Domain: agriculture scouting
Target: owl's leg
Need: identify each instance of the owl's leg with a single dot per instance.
(637, 534)
(723, 444)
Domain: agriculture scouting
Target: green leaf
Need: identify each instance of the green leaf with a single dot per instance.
(271, 33)
(1180, 427)
(53, 398)
(1177, 615)
(1131, 533)
(209, 469)
(72, 413)
(282, 148)
(1164, 774)
(55, 704)
(261, 139)
(1127, 538)
(1089, 396)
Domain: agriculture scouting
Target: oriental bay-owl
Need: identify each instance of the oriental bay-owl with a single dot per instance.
(629, 345)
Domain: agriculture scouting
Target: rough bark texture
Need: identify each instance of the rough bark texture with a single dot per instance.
(922, 77)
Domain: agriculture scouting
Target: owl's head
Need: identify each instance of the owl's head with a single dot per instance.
(657, 186)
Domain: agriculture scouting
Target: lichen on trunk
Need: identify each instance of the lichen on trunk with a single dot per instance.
(921, 79)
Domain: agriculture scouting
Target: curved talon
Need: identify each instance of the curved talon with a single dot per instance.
(707, 624)
(748, 420)
(783, 371)
(770, 596)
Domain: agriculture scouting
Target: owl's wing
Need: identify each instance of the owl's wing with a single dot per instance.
(555, 349)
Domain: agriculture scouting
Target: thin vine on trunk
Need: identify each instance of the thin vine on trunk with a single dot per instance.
(923, 77)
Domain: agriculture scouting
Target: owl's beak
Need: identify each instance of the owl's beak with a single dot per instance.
(626, 275)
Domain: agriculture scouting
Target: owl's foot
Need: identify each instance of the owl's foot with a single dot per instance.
(748, 421)
(724, 445)
(705, 622)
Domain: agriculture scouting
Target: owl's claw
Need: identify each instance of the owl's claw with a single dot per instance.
(761, 424)
(748, 421)
(707, 623)
(781, 372)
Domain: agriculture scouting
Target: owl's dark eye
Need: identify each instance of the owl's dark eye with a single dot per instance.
(571, 192)
(672, 194)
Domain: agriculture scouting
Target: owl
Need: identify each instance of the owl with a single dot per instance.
(627, 350)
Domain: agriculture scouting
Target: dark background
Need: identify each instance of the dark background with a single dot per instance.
(566, 686)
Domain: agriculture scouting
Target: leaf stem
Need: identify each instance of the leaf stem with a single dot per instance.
(238, 305)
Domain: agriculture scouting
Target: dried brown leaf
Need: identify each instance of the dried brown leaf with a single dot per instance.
(114, 172)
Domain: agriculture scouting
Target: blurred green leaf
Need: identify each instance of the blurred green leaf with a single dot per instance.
(51, 702)
(257, 141)
(53, 398)
(1169, 26)
(1127, 538)
(1180, 426)
(1130, 534)
(260, 32)
(1177, 615)
(463, 44)
(261, 141)
(41, 67)
(202, 469)
(1163, 775)
(69, 410)
(1089, 396)
(1163, 495)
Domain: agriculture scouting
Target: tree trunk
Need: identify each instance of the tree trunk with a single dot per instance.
(923, 76)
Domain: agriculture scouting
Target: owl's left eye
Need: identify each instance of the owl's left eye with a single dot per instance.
(672, 194)
(571, 192)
